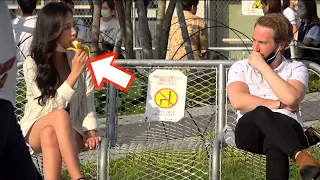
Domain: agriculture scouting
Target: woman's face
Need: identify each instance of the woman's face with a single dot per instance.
(301, 11)
(68, 33)
(105, 7)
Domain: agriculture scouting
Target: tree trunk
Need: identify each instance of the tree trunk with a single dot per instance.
(95, 27)
(121, 33)
(160, 19)
(146, 41)
(184, 30)
(166, 29)
(130, 53)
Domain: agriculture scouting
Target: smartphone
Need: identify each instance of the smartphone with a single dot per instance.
(7, 66)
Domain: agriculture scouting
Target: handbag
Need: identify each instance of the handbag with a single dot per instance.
(312, 135)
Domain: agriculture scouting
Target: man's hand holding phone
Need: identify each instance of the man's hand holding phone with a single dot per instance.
(4, 68)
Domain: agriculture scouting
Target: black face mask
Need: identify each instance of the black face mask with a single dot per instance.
(272, 56)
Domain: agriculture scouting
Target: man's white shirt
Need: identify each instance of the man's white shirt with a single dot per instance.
(258, 86)
(23, 28)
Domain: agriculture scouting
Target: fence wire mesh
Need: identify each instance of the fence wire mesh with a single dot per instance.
(239, 164)
(165, 150)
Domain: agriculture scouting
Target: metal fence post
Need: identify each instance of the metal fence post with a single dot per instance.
(216, 144)
(110, 137)
(112, 111)
(103, 173)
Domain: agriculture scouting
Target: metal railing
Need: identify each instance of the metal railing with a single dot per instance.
(194, 143)
(219, 108)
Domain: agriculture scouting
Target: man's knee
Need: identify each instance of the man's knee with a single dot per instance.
(261, 111)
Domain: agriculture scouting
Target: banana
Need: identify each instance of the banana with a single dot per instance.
(77, 45)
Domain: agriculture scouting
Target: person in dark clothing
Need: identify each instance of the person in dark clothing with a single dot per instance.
(15, 159)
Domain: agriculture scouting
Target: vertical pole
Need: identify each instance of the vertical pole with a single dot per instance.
(216, 144)
(110, 136)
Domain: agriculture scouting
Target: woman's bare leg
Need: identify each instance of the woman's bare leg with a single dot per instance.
(52, 162)
(60, 121)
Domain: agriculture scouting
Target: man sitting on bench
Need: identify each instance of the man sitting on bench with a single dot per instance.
(266, 90)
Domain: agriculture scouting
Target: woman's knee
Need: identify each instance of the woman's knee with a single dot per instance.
(62, 118)
(48, 137)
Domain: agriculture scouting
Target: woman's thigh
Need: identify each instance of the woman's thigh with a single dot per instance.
(53, 119)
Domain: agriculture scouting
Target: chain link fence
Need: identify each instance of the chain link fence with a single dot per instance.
(145, 150)
(148, 149)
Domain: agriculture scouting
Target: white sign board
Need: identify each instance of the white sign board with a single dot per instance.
(166, 95)
(252, 8)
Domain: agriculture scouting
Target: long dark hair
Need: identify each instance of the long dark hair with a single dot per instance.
(48, 28)
(311, 8)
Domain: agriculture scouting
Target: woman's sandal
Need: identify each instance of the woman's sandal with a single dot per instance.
(313, 136)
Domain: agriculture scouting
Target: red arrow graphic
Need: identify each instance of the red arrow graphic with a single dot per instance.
(103, 69)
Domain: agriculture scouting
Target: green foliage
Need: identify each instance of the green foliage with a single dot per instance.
(314, 83)
(88, 170)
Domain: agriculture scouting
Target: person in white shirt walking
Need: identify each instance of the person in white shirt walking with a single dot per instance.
(288, 7)
(15, 160)
(23, 28)
(275, 86)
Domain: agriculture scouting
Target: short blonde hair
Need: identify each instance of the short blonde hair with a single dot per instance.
(281, 26)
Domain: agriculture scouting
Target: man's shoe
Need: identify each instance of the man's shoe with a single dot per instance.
(309, 168)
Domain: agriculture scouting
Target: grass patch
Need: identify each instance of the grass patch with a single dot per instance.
(163, 164)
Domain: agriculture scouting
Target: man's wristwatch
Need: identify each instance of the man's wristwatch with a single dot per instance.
(281, 105)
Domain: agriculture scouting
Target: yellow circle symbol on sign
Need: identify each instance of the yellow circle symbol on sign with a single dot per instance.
(166, 98)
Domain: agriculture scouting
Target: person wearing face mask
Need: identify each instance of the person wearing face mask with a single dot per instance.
(309, 31)
(275, 86)
(288, 7)
(59, 117)
(80, 26)
(197, 29)
(109, 24)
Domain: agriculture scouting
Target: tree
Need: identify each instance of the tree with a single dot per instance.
(95, 26)
(166, 29)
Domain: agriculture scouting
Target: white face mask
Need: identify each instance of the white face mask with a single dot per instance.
(301, 13)
(60, 48)
(105, 13)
